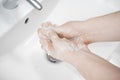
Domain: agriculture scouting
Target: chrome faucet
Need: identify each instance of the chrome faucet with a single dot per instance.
(11, 4)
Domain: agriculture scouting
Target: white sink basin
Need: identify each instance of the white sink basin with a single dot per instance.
(21, 57)
(8, 18)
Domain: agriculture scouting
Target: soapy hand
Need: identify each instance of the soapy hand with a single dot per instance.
(59, 48)
(71, 29)
(67, 43)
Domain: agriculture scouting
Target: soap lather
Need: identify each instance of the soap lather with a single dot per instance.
(46, 27)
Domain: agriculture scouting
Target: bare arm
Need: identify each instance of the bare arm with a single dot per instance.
(104, 28)
(92, 67)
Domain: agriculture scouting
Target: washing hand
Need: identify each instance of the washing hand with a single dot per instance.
(67, 43)
(59, 48)
(72, 29)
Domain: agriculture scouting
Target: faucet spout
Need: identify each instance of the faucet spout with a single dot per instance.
(36, 4)
(11, 4)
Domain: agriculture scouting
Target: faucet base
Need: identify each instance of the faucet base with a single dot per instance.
(10, 4)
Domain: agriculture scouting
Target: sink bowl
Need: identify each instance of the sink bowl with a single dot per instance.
(21, 56)
(8, 18)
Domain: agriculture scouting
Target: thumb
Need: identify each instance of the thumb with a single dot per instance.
(54, 37)
(61, 31)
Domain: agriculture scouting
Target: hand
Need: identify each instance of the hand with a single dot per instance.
(97, 29)
(70, 30)
(60, 48)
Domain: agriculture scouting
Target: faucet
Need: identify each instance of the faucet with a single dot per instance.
(11, 4)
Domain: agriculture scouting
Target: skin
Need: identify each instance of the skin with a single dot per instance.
(68, 42)
(103, 28)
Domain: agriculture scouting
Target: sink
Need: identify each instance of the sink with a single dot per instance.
(9, 18)
(21, 56)
(20, 26)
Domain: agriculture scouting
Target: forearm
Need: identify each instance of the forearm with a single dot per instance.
(93, 67)
(104, 28)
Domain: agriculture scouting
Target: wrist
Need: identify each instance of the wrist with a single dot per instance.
(86, 30)
(74, 58)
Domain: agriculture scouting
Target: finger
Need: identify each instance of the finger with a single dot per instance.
(42, 43)
(57, 42)
(54, 37)
(62, 32)
(48, 24)
(41, 33)
(59, 30)
(49, 49)
(47, 46)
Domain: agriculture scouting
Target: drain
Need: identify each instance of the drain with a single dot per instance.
(51, 59)
(26, 21)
